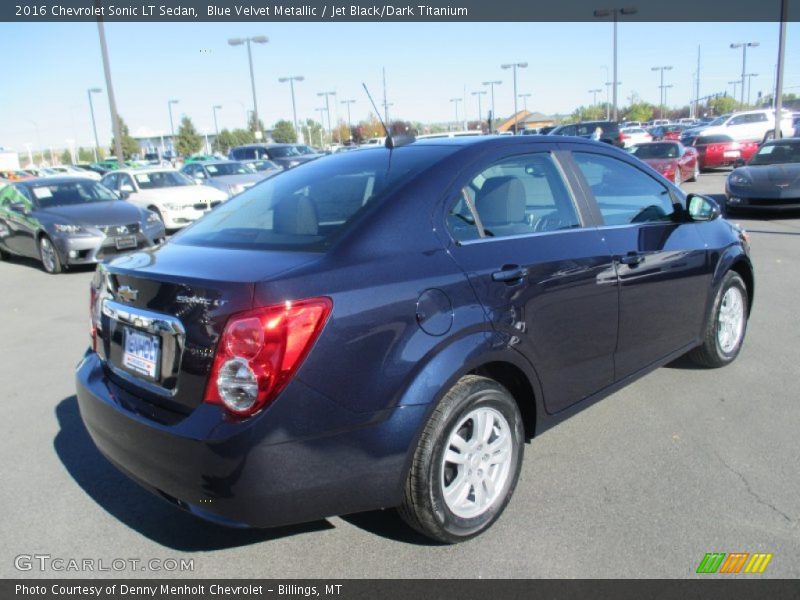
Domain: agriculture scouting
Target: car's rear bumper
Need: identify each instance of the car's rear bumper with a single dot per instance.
(262, 471)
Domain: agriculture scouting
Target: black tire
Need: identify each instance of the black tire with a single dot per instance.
(711, 353)
(53, 264)
(424, 506)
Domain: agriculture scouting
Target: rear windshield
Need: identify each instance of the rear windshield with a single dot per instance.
(307, 207)
(228, 168)
(161, 179)
(651, 151)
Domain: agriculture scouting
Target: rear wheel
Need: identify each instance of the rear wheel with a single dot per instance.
(727, 324)
(467, 462)
(49, 256)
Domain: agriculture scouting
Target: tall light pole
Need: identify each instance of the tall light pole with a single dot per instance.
(749, 84)
(744, 46)
(291, 81)
(661, 87)
(778, 91)
(524, 100)
(321, 110)
(455, 101)
(112, 103)
(257, 39)
(594, 95)
(480, 111)
(608, 94)
(491, 84)
(348, 102)
(734, 84)
(615, 14)
(214, 110)
(514, 67)
(171, 125)
(666, 87)
(89, 93)
(328, 110)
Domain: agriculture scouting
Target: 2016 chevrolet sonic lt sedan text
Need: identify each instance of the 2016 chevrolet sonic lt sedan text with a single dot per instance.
(387, 327)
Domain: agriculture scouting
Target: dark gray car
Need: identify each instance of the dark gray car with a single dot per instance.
(770, 180)
(286, 155)
(230, 176)
(66, 221)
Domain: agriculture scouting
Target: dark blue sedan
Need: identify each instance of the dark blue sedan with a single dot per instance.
(388, 327)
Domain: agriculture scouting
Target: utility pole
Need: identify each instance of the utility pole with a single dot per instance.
(349, 121)
(112, 103)
(744, 46)
(697, 86)
(385, 101)
(491, 84)
(480, 112)
(779, 76)
(615, 13)
(456, 101)
(514, 67)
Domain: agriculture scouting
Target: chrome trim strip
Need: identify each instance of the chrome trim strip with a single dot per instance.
(152, 322)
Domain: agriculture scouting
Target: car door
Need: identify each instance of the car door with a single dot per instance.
(547, 283)
(661, 260)
(19, 227)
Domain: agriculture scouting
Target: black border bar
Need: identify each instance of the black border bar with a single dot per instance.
(332, 11)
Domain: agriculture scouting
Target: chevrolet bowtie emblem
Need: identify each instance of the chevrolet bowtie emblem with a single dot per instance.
(128, 294)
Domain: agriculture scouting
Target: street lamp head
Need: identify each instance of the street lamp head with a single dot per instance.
(299, 78)
(259, 39)
(95, 90)
(235, 41)
(508, 66)
(217, 106)
(497, 82)
(628, 10)
(602, 12)
(522, 65)
(173, 101)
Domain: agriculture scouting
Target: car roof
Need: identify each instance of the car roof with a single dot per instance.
(135, 170)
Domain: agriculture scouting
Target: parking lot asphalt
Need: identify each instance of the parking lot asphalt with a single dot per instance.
(643, 484)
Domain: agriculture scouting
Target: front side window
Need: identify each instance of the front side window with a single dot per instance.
(624, 194)
(520, 195)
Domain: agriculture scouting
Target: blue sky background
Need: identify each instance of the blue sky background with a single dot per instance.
(48, 67)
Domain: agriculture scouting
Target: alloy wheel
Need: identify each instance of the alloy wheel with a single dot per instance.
(730, 322)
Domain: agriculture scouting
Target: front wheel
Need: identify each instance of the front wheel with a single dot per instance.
(467, 462)
(727, 324)
(49, 256)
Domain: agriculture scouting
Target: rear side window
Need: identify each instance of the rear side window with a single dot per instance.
(516, 196)
(624, 194)
(306, 208)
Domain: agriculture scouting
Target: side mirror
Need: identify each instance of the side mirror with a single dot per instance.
(702, 208)
(124, 194)
(19, 207)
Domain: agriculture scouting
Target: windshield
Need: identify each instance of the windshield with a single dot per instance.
(304, 149)
(70, 193)
(284, 151)
(303, 209)
(656, 151)
(161, 179)
(776, 154)
(719, 120)
(228, 168)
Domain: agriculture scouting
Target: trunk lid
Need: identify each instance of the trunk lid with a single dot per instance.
(163, 311)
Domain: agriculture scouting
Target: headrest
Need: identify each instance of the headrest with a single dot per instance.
(501, 200)
(295, 216)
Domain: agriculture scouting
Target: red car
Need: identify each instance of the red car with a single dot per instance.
(673, 160)
(720, 150)
(668, 132)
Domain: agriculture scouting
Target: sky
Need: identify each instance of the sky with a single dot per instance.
(48, 68)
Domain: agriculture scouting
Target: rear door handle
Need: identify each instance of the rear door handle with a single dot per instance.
(632, 259)
(510, 274)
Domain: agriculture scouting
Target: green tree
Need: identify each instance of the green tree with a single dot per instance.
(253, 126)
(312, 131)
(85, 155)
(65, 158)
(283, 132)
(638, 111)
(719, 105)
(187, 141)
(129, 145)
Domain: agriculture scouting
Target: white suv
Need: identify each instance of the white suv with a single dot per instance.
(752, 125)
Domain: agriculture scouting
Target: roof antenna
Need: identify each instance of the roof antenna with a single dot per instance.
(389, 141)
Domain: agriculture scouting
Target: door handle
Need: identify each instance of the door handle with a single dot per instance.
(631, 258)
(510, 274)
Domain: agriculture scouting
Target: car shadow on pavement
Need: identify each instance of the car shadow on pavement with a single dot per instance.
(139, 509)
(388, 524)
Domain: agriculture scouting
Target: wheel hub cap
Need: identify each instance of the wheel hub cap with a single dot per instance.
(477, 462)
(730, 323)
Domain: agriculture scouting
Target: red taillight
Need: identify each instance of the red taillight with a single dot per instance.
(260, 351)
(93, 317)
(622, 136)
